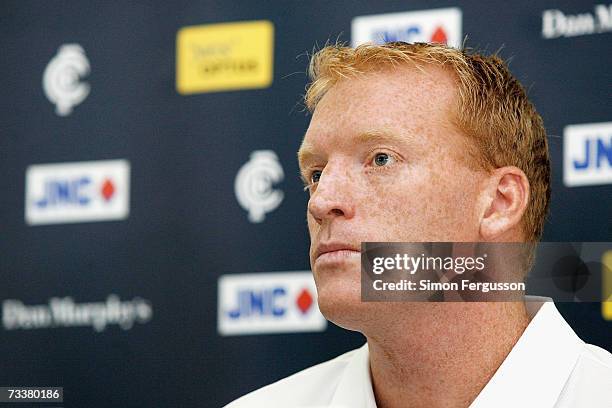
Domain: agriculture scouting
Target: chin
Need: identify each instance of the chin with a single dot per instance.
(340, 303)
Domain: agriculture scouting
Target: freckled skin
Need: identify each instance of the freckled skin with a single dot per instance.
(421, 354)
(429, 194)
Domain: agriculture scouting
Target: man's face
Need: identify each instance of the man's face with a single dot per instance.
(387, 165)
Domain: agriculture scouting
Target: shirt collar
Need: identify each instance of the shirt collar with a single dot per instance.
(533, 374)
(355, 387)
(539, 364)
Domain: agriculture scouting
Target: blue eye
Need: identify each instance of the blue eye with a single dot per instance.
(382, 159)
(315, 176)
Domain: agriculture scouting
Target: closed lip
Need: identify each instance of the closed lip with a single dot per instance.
(334, 246)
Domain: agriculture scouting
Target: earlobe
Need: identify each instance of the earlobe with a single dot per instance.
(507, 196)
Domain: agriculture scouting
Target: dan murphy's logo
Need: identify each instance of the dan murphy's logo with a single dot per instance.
(62, 78)
(268, 303)
(228, 56)
(433, 26)
(77, 192)
(65, 312)
(555, 23)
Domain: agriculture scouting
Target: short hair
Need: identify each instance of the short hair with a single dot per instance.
(492, 108)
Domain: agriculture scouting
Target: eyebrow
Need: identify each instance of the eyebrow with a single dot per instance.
(307, 153)
(381, 136)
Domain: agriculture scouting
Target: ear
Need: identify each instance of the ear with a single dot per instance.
(505, 199)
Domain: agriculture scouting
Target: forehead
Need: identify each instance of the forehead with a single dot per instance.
(402, 100)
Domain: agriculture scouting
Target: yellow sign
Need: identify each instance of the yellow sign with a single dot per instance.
(223, 57)
(606, 284)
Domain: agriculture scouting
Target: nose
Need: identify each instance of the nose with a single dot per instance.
(333, 196)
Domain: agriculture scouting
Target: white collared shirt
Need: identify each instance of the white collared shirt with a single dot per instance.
(549, 366)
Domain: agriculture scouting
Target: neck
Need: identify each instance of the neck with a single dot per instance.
(441, 354)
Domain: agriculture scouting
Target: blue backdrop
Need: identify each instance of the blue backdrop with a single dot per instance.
(185, 227)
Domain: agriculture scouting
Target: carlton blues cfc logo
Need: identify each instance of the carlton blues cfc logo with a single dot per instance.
(62, 78)
(254, 184)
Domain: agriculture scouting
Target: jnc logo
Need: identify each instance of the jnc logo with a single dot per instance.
(75, 191)
(267, 302)
(597, 152)
(587, 154)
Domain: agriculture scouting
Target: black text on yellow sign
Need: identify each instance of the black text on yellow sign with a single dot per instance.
(224, 57)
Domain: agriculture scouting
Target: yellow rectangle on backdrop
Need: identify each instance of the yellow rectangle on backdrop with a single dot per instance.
(606, 284)
(223, 57)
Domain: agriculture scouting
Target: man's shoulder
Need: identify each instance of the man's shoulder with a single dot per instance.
(597, 356)
(590, 383)
(594, 362)
(310, 387)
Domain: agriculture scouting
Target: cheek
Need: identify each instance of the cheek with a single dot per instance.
(389, 206)
(425, 204)
(447, 204)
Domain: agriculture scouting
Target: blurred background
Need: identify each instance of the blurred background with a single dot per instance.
(153, 238)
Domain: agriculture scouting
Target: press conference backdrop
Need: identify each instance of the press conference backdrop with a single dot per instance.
(153, 242)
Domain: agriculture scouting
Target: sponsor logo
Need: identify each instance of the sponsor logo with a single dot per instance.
(587, 154)
(253, 184)
(221, 57)
(556, 23)
(65, 312)
(62, 78)
(606, 306)
(436, 26)
(77, 192)
(268, 303)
